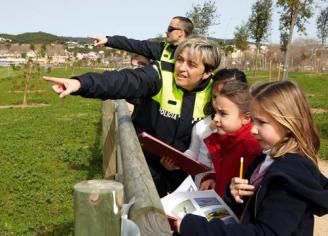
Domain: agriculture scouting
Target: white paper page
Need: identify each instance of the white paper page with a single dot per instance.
(187, 185)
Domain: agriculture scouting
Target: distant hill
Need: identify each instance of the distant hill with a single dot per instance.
(42, 37)
(46, 38)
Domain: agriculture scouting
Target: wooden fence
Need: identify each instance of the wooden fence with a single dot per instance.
(123, 161)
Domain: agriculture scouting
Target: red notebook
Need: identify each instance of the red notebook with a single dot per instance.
(171, 220)
(161, 149)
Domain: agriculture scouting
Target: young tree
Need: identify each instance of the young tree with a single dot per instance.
(203, 16)
(241, 37)
(27, 77)
(293, 13)
(32, 47)
(43, 50)
(259, 24)
(28, 74)
(227, 50)
(322, 25)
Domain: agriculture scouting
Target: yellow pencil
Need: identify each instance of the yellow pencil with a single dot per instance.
(241, 167)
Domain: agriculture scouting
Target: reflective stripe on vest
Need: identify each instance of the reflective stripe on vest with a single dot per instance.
(167, 59)
(170, 97)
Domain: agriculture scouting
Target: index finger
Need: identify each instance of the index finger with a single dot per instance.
(53, 79)
(93, 37)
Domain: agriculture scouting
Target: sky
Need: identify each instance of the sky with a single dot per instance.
(139, 19)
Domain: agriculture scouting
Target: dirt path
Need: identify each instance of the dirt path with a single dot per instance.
(321, 223)
(25, 106)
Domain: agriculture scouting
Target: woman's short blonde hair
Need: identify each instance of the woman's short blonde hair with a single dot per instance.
(207, 49)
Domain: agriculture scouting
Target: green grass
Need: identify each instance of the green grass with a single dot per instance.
(45, 151)
(315, 86)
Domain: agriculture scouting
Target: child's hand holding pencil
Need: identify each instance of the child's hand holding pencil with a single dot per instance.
(239, 187)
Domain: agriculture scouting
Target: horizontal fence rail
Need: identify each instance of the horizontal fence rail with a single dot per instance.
(131, 168)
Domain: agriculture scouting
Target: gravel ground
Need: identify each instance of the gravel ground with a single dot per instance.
(321, 223)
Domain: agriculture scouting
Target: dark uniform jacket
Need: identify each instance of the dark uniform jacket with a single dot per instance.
(292, 191)
(154, 117)
(157, 51)
(163, 53)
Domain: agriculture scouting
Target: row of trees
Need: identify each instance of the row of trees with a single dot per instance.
(293, 14)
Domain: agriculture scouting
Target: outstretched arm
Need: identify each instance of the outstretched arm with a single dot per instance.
(150, 49)
(123, 84)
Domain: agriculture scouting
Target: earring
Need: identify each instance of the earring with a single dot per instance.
(244, 122)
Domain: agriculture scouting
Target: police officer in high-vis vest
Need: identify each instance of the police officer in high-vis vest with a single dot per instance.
(172, 102)
(178, 30)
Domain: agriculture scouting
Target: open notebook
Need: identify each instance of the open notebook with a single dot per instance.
(187, 199)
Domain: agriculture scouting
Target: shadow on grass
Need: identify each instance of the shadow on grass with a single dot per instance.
(94, 167)
(56, 230)
(95, 162)
(324, 131)
(321, 122)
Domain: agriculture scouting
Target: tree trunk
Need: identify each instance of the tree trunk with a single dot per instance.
(319, 65)
(278, 74)
(245, 63)
(27, 82)
(98, 208)
(290, 36)
(73, 71)
(270, 70)
(255, 64)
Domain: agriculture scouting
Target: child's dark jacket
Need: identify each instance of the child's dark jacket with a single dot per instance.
(292, 191)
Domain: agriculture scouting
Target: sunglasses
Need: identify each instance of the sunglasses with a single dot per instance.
(171, 28)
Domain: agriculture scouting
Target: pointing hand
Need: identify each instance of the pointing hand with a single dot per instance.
(99, 40)
(62, 86)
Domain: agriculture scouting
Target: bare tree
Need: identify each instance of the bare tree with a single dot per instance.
(293, 13)
(241, 38)
(203, 16)
(259, 23)
(322, 25)
(27, 76)
(43, 50)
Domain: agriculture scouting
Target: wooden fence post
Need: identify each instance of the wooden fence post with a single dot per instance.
(98, 208)
(109, 139)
